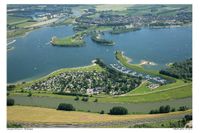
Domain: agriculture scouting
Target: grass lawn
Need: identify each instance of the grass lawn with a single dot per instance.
(16, 33)
(175, 93)
(11, 20)
(142, 89)
(25, 24)
(48, 100)
(69, 21)
(114, 7)
(68, 41)
(50, 116)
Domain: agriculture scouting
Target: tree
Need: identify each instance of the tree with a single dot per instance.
(10, 87)
(183, 108)
(188, 117)
(154, 111)
(65, 107)
(10, 102)
(96, 100)
(173, 110)
(77, 98)
(29, 94)
(162, 109)
(102, 112)
(118, 110)
(85, 99)
(167, 109)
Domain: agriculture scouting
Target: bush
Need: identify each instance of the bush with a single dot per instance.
(118, 111)
(162, 109)
(188, 117)
(14, 125)
(10, 102)
(10, 87)
(167, 109)
(77, 98)
(154, 111)
(102, 112)
(85, 99)
(65, 107)
(173, 110)
(96, 100)
(29, 94)
(183, 108)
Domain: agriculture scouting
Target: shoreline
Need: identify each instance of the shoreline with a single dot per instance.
(142, 62)
(49, 74)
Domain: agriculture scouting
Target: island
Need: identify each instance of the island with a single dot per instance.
(123, 29)
(98, 39)
(69, 41)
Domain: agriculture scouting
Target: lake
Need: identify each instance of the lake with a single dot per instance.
(33, 56)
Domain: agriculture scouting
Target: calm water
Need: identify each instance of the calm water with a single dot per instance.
(34, 56)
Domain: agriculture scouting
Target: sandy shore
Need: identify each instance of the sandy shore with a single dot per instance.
(145, 62)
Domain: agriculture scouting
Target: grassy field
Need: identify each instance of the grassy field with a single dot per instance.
(162, 10)
(25, 24)
(46, 101)
(50, 116)
(142, 89)
(69, 21)
(113, 7)
(175, 93)
(16, 33)
(68, 41)
(75, 40)
(11, 20)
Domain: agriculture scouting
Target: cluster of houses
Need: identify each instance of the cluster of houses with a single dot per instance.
(154, 79)
(87, 82)
(45, 16)
(95, 91)
(107, 19)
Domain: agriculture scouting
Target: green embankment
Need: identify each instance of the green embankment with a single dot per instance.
(144, 89)
(52, 101)
(175, 93)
